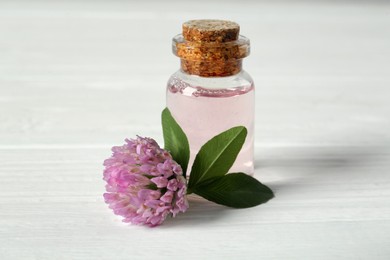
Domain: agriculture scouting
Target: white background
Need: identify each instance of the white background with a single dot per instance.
(77, 77)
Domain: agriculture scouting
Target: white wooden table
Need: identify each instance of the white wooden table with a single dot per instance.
(77, 77)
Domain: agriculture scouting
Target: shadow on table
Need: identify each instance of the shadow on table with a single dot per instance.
(201, 212)
(295, 165)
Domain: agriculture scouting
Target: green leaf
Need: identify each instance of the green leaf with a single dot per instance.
(175, 140)
(217, 156)
(236, 190)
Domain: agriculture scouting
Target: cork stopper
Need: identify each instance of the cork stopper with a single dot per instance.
(211, 48)
(210, 31)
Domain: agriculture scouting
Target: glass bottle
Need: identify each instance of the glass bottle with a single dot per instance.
(211, 92)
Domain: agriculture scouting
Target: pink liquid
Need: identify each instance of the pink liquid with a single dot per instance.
(203, 113)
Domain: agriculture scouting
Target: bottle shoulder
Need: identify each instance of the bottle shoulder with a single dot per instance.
(242, 79)
(192, 85)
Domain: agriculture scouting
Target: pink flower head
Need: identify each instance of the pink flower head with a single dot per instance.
(144, 183)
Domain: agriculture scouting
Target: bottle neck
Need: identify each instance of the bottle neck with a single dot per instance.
(216, 68)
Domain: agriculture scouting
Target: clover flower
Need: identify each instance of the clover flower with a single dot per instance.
(144, 183)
